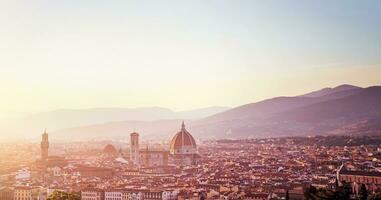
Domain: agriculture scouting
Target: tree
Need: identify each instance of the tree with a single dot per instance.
(375, 196)
(341, 193)
(310, 192)
(59, 195)
(287, 195)
(363, 192)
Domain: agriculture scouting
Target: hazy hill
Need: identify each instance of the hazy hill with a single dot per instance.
(200, 113)
(327, 91)
(33, 124)
(365, 104)
(344, 109)
(159, 129)
(297, 115)
(328, 112)
(266, 108)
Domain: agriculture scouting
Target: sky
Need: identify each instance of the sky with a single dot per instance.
(181, 54)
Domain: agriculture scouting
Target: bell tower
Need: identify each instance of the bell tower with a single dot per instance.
(45, 146)
(134, 148)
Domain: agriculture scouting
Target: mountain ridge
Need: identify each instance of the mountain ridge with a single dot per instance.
(342, 108)
(70, 118)
(282, 116)
(328, 90)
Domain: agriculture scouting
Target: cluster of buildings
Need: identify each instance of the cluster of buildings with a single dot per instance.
(127, 194)
(223, 169)
(182, 151)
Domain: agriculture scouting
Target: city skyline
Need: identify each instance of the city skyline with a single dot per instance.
(77, 55)
(190, 100)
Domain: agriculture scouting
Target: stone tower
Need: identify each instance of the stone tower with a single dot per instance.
(45, 146)
(134, 148)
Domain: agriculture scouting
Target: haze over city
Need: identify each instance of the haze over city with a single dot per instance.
(190, 100)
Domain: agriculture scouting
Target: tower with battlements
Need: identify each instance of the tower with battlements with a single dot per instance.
(45, 146)
(134, 148)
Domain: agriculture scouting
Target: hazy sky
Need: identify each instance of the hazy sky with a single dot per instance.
(181, 54)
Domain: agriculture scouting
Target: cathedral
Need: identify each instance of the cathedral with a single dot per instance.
(182, 151)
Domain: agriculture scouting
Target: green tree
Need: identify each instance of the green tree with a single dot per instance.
(340, 193)
(375, 196)
(363, 193)
(347, 190)
(59, 195)
(310, 193)
(287, 195)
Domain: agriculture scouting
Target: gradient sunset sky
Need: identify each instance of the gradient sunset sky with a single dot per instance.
(181, 54)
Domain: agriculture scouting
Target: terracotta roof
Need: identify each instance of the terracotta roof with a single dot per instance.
(344, 171)
(182, 138)
(110, 149)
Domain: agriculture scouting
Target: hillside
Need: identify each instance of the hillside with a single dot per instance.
(329, 113)
(67, 119)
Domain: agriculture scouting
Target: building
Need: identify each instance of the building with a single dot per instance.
(371, 179)
(87, 171)
(183, 148)
(153, 195)
(23, 193)
(55, 171)
(134, 148)
(110, 150)
(132, 195)
(29, 193)
(182, 151)
(125, 194)
(92, 194)
(44, 146)
(114, 195)
(146, 157)
(153, 158)
(47, 161)
(6, 193)
(54, 161)
(170, 194)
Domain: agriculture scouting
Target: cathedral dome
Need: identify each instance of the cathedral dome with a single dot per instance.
(110, 150)
(183, 142)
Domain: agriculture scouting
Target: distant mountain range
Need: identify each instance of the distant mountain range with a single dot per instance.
(68, 118)
(345, 109)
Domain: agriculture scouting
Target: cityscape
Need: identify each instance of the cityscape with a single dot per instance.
(190, 100)
(268, 168)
